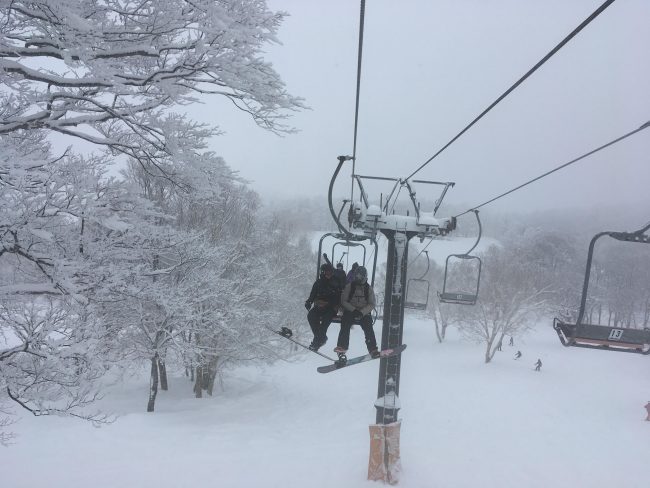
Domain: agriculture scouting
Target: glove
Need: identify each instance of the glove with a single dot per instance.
(357, 315)
(308, 305)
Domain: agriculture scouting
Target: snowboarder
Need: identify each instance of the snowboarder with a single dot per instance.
(647, 407)
(358, 301)
(512, 341)
(518, 355)
(325, 297)
(538, 364)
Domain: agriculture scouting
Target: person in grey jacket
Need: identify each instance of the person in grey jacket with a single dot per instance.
(358, 302)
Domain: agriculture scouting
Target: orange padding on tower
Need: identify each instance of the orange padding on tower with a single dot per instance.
(384, 463)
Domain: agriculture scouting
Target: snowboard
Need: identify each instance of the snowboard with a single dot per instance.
(386, 353)
(286, 332)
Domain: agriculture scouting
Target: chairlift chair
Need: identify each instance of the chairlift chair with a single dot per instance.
(422, 284)
(349, 241)
(467, 293)
(460, 295)
(604, 337)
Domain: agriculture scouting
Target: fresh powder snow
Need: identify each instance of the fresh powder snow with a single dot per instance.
(577, 422)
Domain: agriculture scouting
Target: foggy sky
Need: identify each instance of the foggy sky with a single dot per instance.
(430, 67)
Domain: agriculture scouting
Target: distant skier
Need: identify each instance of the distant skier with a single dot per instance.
(647, 407)
(538, 365)
(518, 355)
(512, 341)
(499, 344)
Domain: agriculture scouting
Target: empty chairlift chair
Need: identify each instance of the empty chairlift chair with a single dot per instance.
(417, 290)
(603, 337)
(462, 276)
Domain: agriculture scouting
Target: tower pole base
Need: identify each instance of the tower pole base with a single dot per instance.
(384, 463)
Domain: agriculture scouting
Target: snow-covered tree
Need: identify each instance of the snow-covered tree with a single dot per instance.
(75, 243)
(50, 343)
(110, 72)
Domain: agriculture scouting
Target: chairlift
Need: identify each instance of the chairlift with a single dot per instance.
(349, 242)
(604, 337)
(457, 287)
(414, 299)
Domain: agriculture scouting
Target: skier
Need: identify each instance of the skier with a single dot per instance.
(512, 341)
(325, 296)
(499, 344)
(538, 364)
(647, 407)
(518, 355)
(358, 301)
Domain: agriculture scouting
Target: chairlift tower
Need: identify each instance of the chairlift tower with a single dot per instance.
(398, 230)
(365, 221)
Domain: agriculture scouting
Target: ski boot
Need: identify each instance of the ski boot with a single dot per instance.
(375, 353)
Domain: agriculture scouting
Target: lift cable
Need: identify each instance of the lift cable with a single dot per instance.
(473, 209)
(618, 139)
(356, 106)
(564, 41)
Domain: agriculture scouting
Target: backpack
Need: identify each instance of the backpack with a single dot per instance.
(353, 287)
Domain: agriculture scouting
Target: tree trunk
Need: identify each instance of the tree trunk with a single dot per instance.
(153, 383)
(198, 391)
(488, 353)
(212, 368)
(600, 313)
(163, 374)
(435, 321)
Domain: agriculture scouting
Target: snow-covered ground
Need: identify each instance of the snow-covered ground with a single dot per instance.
(578, 422)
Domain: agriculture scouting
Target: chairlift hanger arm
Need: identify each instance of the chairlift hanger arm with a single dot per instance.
(428, 266)
(480, 231)
(342, 159)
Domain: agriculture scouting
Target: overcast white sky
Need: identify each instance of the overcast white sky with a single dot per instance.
(429, 67)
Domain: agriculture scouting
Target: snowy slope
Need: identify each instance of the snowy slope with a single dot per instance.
(578, 422)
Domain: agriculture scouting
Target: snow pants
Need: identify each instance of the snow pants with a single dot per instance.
(366, 326)
(319, 319)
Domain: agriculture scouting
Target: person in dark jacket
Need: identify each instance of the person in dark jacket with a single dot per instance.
(358, 302)
(339, 274)
(538, 365)
(322, 305)
(518, 355)
(352, 273)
